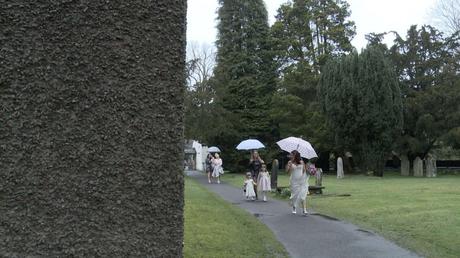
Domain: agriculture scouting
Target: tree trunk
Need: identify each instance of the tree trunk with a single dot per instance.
(418, 167)
(405, 165)
(91, 99)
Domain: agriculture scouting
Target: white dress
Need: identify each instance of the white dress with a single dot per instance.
(299, 184)
(263, 183)
(249, 186)
(217, 167)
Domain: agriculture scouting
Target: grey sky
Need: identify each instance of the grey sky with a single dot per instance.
(369, 16)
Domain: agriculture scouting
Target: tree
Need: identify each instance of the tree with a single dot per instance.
(425, 58)
(305, 34)
(361, 98)
(428, 66)
(91, 107)
(244, 75)
(447, 13)
(200, 93)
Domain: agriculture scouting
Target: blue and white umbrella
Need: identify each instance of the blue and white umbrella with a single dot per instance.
(250, 144)
(213, 149)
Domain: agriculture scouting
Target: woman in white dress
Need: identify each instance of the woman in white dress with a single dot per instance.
(217, 167)
(298, 182)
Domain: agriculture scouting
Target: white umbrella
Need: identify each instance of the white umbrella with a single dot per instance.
(250, 144)
(213, 149)
(303, 147)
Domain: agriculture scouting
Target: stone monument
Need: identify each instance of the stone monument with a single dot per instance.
(418, 167)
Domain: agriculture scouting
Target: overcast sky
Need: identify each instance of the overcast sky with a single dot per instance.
(369, 16)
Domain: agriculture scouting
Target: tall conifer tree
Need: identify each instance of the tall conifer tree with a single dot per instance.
(362, 101)
(244, 73)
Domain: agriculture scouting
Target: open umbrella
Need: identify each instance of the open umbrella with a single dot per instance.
(250, 144)
(303, 147)
(213, 149)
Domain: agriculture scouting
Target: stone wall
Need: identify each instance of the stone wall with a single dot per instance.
(91, 101)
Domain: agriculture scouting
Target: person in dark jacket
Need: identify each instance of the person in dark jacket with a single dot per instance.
(209, 168)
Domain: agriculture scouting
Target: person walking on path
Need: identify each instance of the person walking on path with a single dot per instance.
(249, 185)
(217, 167)
(255, 163)
(298, 182)
(208, 163)
(263, 182)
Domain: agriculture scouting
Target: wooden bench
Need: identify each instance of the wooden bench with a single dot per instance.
(313, 189)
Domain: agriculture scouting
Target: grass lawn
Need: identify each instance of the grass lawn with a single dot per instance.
(215, 228)
(421, 214)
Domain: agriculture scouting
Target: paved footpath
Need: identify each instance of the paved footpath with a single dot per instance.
(314, 235)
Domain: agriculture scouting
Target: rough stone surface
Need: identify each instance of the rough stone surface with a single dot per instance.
(405, 165)
(91, 101)
(418, 167)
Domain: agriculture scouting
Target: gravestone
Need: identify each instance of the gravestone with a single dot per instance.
(405, 165)
(274, 175)
(91, 100)
(340, 168)
(319, 177)
(418, 167)
(430, 165)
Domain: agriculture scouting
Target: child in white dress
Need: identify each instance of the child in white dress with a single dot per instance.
(249, 187)
(263, 182)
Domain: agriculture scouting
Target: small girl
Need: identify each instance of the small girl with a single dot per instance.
(249, 187)
(263, 182)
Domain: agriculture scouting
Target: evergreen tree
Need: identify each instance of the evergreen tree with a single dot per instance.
(244, 76)
(305, 34)
(362, 100)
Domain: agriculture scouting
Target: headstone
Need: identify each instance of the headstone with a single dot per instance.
(418, 167)
(319, 177)
(405, 165)
(340, 168)
(430, 165)
(274, 175)
(91, 97)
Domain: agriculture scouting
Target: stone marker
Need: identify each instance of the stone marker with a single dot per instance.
(340, 168)
(430, 165)
(274, 175)
(319, 177)
(405, 165)
(418, 167)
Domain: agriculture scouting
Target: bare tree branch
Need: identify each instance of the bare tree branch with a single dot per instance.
(200, 63)
(446, 15)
